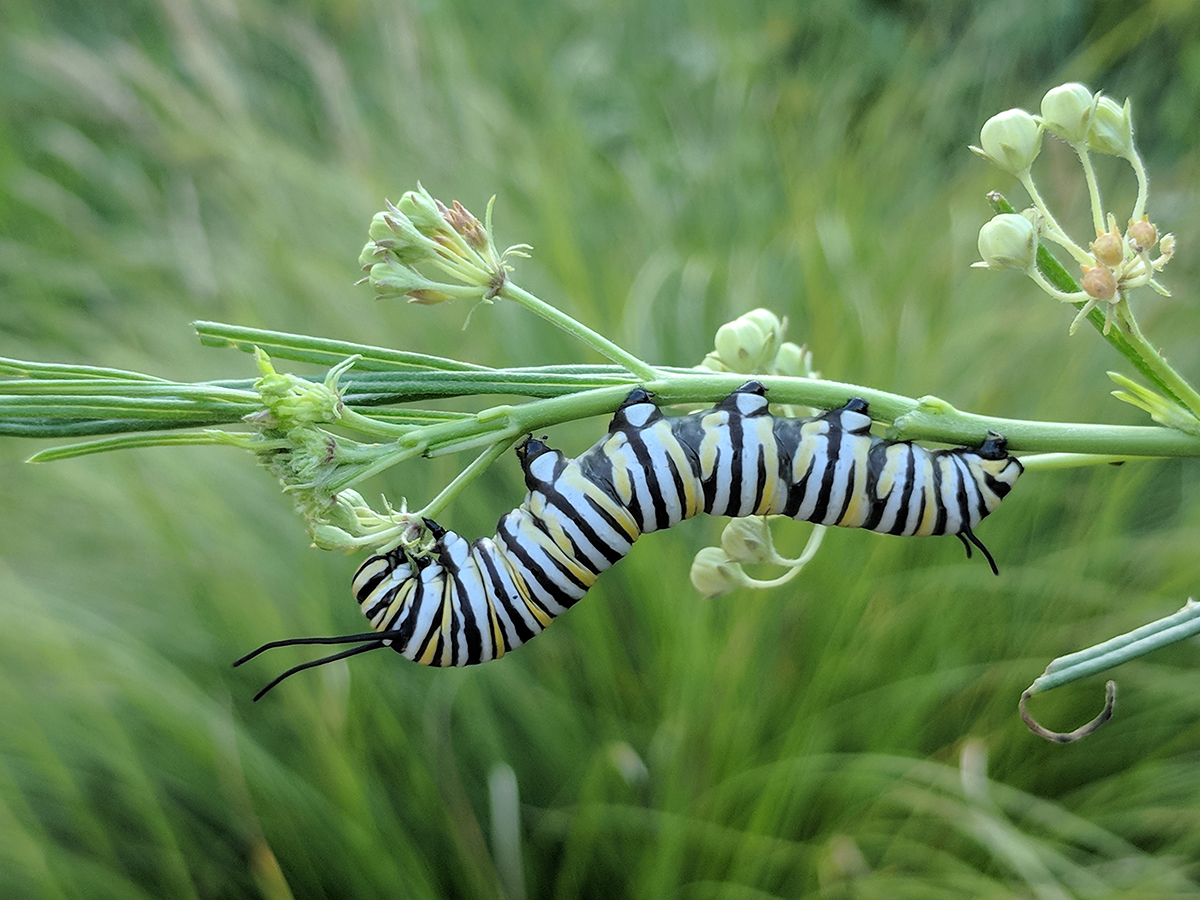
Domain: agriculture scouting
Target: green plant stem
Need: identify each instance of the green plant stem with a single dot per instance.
(1168, 630)
(322, 351)
(435, 506)
(1175, 383)
(137, 441)
(1143, 183)
(811, 546)
(1089, 175)
(926, 419)
(1045, 462)
(596, 341)
(1053, 230)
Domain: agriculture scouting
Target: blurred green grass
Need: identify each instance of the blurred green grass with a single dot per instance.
(673, 164)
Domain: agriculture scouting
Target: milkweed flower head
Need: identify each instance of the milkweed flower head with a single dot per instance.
(454, 248)
(1115, 263)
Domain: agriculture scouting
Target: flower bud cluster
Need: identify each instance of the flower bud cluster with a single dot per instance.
(1115, 262)
(753, 344)
(746, 541)
(294, 446)
(420, 230)
(292, 401)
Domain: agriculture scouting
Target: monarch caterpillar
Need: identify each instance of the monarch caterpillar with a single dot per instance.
(466, 603)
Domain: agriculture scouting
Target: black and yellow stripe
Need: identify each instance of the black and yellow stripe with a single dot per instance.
(467, 603)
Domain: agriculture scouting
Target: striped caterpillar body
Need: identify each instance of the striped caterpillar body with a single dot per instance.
(464, 602)
(467, 603)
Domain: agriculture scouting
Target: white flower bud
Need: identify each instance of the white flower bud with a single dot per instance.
(1112, 129)
(714, 574)
(793, 360)
(749, 342)
(748, 540)
(1011, 140)
(1008, 241)
(1067, 111)
(769, 323)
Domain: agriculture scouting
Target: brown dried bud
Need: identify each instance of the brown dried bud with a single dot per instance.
(1099, 282)
(1143, 234)
(461, 220)
(426, 297)
(1108, 249)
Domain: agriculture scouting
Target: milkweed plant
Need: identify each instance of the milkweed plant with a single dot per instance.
(375, 407)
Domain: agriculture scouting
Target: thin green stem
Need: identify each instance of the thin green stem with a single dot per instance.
(306, 348)
(368, 425)
(1170, 629)
(1053, 230)
(764, 583)
(578, 330)
(137, 441)
(1089, 175)
(810, 549)
(1078, 297)
(25, 369)
(1172, 380)
(435, 506)
(1045, 462)
(1143, 183)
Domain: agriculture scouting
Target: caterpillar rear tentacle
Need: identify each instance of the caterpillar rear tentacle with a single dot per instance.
(466, 603)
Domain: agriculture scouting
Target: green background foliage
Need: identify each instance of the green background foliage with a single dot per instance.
(673, 164)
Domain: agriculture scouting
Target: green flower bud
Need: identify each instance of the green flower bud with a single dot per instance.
(1067, 111)
(371, 254)
(391, 280)
(749, 342)
(1112, 129)
(330, 537)
(769, 323)
(793, 360)
(393, 231)
(713, 574)
(748, 540)
(1011, 140)
(712, 364)
(380, 230)
(422, 210)
(1008, 241)
(294, 401)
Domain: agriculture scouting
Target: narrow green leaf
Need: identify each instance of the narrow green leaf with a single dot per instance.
(305, 348)
(129, 442)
